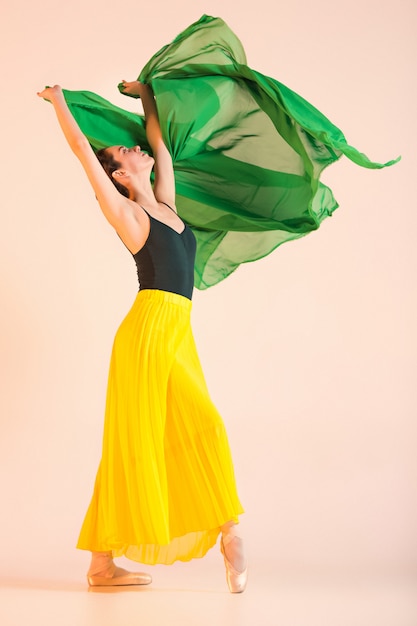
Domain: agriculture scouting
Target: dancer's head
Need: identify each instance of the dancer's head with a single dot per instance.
(122, 165)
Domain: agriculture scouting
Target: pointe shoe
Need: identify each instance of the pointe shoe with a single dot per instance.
(120, 577)
(236, 581)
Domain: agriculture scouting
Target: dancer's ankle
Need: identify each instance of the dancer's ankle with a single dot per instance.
(101, 564)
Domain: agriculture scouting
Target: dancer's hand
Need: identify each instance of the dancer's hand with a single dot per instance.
(133, 88)
(49, 93)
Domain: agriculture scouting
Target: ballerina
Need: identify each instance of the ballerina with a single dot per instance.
(165, 488)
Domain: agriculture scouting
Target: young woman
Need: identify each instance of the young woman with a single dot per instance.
(165, 487)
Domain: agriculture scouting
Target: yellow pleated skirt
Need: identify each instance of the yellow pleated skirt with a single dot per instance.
(165, 483)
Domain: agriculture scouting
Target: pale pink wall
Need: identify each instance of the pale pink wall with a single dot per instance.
(309, 354)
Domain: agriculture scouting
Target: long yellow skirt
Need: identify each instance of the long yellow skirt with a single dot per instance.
(165, 483)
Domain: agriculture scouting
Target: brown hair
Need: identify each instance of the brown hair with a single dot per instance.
(110, 165)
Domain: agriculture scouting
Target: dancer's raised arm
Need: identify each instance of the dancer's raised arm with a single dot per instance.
(164, 185)
(117, 208)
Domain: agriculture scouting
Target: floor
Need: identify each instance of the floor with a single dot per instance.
(199, 597)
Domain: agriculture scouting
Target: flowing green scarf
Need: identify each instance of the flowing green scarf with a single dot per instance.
(247, 151)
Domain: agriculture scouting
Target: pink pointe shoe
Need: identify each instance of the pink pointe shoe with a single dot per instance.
(236, 580)
(129, 578)
(112, 576)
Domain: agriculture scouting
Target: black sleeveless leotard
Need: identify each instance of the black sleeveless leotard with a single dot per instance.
(166, 261)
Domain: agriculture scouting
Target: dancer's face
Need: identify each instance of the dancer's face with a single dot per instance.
(131, 159)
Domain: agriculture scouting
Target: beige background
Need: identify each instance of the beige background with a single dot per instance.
(309, 353)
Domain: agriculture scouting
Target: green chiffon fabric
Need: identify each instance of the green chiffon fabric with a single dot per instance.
(247, 151)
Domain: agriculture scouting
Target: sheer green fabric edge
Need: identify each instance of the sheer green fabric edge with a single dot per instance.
(106, 124)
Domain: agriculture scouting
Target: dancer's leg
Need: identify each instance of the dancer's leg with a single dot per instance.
(233, 546)
(234, 558)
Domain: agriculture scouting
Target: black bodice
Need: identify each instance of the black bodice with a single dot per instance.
(166, 260)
